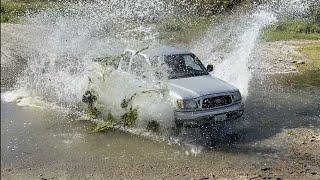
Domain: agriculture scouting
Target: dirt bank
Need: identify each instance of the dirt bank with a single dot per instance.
(281, 56)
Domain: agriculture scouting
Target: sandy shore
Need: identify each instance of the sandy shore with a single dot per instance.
(281, 56)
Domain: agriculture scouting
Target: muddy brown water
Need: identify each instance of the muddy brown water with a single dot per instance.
(41, 143)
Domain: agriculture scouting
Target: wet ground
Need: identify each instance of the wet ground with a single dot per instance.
(280, 141)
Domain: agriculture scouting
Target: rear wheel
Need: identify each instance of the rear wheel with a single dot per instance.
(153, 126)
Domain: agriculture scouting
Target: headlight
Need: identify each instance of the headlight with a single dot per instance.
(236, 96)
(187, 104)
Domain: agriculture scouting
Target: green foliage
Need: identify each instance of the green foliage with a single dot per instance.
(12, 12)
(130, 117)
(9, 18)
(314, 15)
(125, 102)
(211, 7)
(90, 98)
(286, 36)
(131, 114)
(298, 27)
(315, 28)
(106, 124)
(127, 119)
(307, 27)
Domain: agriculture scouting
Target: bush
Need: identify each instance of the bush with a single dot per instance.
(315, 28)
(208, 7)
(271, 35)
(298, 27)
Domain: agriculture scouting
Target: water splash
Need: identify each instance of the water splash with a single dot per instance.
(65, 41)
(239, 73)
(230, 44)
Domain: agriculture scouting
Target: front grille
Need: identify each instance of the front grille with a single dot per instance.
(217, 101)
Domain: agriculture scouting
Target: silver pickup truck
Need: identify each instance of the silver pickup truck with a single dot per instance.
(199, 98)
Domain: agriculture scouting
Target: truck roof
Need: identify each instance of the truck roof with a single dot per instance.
(162, 51)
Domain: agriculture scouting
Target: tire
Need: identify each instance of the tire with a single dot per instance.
(178, 127)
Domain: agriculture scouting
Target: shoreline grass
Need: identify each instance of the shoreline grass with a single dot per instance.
(271, 36)
(312, 51)
(12, 12)
(309, 72)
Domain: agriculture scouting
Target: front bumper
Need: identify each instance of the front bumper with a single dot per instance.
(207, 116)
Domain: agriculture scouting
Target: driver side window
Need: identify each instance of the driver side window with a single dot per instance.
(139, 66)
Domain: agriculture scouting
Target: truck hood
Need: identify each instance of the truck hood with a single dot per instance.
(193, 87)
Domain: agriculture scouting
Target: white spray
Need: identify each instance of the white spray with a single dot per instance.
(229, 44)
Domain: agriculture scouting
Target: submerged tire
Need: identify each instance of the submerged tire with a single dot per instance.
(231, 131)
(177, 129)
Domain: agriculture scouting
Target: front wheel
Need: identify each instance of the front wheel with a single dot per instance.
(231, 131)
(177, 129)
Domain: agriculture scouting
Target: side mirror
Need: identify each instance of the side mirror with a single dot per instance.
(210, 68)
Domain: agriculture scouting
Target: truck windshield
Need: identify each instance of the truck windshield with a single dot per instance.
(180, 65)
